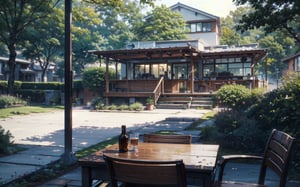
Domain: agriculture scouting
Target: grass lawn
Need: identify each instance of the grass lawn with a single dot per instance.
(24, 110)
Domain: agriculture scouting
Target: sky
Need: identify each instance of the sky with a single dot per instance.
(220, 8)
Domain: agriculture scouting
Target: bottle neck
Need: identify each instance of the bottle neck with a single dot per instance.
(123, 129)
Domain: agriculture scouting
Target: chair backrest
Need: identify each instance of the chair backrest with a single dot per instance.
(158, 138)
(277, 156)
(146, 172)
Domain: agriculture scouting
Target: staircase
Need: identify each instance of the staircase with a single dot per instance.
(204, 101)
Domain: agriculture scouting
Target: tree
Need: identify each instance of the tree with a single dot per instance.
(162, 24)
(43, 44)
(272, 15)
(119, 22)
(15, 16)
(86, 35)
(278, 44)
(94, 78)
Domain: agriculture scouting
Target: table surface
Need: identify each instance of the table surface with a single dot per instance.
(196, 157)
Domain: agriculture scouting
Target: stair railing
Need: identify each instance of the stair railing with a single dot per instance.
(158, 90)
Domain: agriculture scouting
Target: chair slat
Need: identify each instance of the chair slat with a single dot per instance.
(146, 172)
(277, 157)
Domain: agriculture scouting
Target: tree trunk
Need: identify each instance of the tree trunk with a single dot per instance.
(11, 65)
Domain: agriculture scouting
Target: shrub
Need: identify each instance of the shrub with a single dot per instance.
(36, 96)
(136, 106)
(42, 85)
(7, 101)
(112, 107)
(240, 132)
(5, 142)
(123, 107)
(4, 86)
(94, 78)
(98, 103)
(232, 96)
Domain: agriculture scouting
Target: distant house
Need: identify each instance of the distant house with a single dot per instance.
(293, 63)
(201, 25)
(27, 71)
(23, 71)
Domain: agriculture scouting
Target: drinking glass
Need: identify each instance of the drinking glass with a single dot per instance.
(134, 140)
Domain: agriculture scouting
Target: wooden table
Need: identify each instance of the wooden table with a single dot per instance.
(198, 158)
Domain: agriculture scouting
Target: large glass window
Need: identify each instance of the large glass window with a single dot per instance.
(142, 71)
(247, 69)
(181, 71)
(221, 68)
(236, 69)
(207, 69)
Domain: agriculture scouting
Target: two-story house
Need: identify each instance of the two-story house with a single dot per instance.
(200, 25)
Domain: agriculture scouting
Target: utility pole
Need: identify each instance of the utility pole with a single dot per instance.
(68, 156)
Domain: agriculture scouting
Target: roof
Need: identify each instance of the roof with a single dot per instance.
(194, 10)
(173, 7)
(146, 53)
(291, 57)
(18, 60)
(159, 54)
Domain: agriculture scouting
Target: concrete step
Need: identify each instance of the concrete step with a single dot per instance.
(185, 102)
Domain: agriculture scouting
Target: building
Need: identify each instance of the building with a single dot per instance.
(201, 25)
(187, 68)
(293, 63)
(23, 71)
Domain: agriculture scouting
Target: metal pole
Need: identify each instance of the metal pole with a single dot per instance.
(68, 156)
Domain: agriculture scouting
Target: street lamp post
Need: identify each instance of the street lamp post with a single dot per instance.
(68, 156)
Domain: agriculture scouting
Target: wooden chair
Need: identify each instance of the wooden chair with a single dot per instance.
(146, 173)
(276, 157)
(158, 138)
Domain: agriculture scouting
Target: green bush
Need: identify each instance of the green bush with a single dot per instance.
(7, 101)
(247, 130)
(136, 106)
(235, 130)
(35, 96)
(78, 85)
(5, 141)
(4, 86)
(112, 107)
(232, 96)
(42, 85)
(123, 107)
(94, 78)
(98, 103)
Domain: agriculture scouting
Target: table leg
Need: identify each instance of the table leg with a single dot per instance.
(86, 176)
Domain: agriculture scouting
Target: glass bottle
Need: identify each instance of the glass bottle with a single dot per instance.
(123, 140)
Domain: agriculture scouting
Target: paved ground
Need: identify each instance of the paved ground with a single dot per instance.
(43, 135)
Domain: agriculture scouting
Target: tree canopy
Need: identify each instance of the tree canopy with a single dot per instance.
(278, 43)
(162, 24)
(15, 16)
(272, 15)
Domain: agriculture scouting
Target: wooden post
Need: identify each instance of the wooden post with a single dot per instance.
(107, 79)
(192, 75)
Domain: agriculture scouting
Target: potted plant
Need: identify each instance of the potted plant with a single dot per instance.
(150, 103)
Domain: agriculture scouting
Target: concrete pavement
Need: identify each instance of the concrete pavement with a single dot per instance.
(43, 137)
(43, 134)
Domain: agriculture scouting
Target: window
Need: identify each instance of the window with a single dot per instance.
(199, 27)
(206, 27)
(297, 64)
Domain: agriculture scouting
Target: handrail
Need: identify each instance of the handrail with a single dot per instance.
(158, 89)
